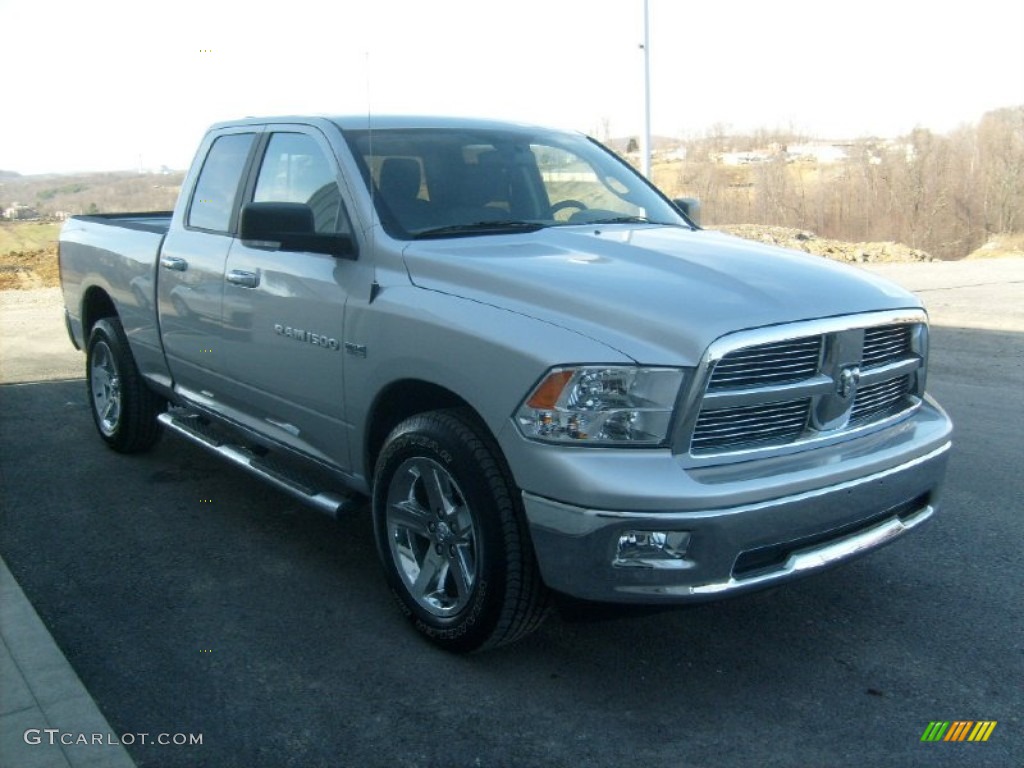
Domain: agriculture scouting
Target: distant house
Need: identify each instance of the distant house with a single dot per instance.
(744, 158)
(19, 211)
(824, 154)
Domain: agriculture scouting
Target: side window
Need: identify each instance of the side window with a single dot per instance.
(214, 197)
(295, 170)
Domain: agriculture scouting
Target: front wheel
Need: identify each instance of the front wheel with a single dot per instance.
(123, 407)
(451, 535)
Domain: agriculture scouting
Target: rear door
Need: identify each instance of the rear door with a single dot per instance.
(190, 283)
(283, 311)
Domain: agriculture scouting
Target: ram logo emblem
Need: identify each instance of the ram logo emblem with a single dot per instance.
(849, 377)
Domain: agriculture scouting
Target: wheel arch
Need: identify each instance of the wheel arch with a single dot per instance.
(400, 400)
(96, 305)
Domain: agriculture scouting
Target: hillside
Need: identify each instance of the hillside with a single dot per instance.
(51, 195)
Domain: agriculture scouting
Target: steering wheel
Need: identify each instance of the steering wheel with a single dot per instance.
(563, 204)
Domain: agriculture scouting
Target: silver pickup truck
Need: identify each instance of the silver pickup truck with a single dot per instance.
(542, 374)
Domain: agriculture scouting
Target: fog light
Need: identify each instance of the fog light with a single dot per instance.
(653, 549)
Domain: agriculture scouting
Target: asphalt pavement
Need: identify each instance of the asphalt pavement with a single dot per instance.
(202, 609)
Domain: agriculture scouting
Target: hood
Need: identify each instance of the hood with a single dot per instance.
(657, 294)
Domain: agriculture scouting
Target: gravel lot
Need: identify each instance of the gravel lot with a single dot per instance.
(33, 343)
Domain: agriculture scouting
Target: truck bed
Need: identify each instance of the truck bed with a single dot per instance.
(95, 248)
(154, 221)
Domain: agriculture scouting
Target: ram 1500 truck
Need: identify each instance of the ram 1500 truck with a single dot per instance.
(542, 374)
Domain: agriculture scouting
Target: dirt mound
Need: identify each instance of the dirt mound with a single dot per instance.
(802, 240)
(1001, 247)
(22, 270)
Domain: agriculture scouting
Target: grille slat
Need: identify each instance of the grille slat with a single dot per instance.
(752, 414)
(723, 429)
(764, 379)
(787, 369)
(764, 363)
(769, 355)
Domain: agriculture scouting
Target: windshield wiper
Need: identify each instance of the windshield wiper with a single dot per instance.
(480, 228)
(625, 220)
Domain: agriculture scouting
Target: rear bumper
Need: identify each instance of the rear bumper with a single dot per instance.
(745, 546)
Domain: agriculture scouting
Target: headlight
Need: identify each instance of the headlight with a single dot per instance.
(602, 405)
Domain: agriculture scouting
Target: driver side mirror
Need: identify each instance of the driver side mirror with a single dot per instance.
(290, 227)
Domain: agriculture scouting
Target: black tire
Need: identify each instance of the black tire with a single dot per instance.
(123, 408)
(465, 576)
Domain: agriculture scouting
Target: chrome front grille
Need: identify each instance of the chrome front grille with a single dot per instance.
(763, 393)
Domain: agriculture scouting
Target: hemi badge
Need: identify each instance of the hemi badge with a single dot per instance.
(358, 350)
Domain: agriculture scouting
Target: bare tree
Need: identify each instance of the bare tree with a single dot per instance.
(946, 194)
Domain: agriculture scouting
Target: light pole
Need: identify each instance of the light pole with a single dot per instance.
(645, 140)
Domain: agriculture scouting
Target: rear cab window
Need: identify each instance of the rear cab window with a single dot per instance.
(212, 205)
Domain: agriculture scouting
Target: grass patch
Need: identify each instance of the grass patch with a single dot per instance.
(28, 235)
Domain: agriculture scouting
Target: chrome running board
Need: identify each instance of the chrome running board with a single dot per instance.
(198, 430)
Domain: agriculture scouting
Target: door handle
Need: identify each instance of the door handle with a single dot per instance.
(243, 278)
(173, 263)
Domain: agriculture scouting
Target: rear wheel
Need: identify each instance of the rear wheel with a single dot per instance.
(123, 408)
(451, 535)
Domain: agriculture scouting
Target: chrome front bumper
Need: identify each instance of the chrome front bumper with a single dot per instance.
(745, 546)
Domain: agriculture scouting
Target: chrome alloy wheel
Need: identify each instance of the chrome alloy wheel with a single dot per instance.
(106, 389)
(432, 536)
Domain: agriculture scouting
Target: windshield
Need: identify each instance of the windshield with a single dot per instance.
(448, 182)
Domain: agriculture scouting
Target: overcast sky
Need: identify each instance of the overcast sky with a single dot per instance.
(98, 85)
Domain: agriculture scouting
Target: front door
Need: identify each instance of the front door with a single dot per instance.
(283, 311)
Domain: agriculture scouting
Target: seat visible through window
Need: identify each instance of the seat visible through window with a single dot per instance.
(400, 181)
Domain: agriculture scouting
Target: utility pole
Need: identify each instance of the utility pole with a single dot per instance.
(645, 140)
